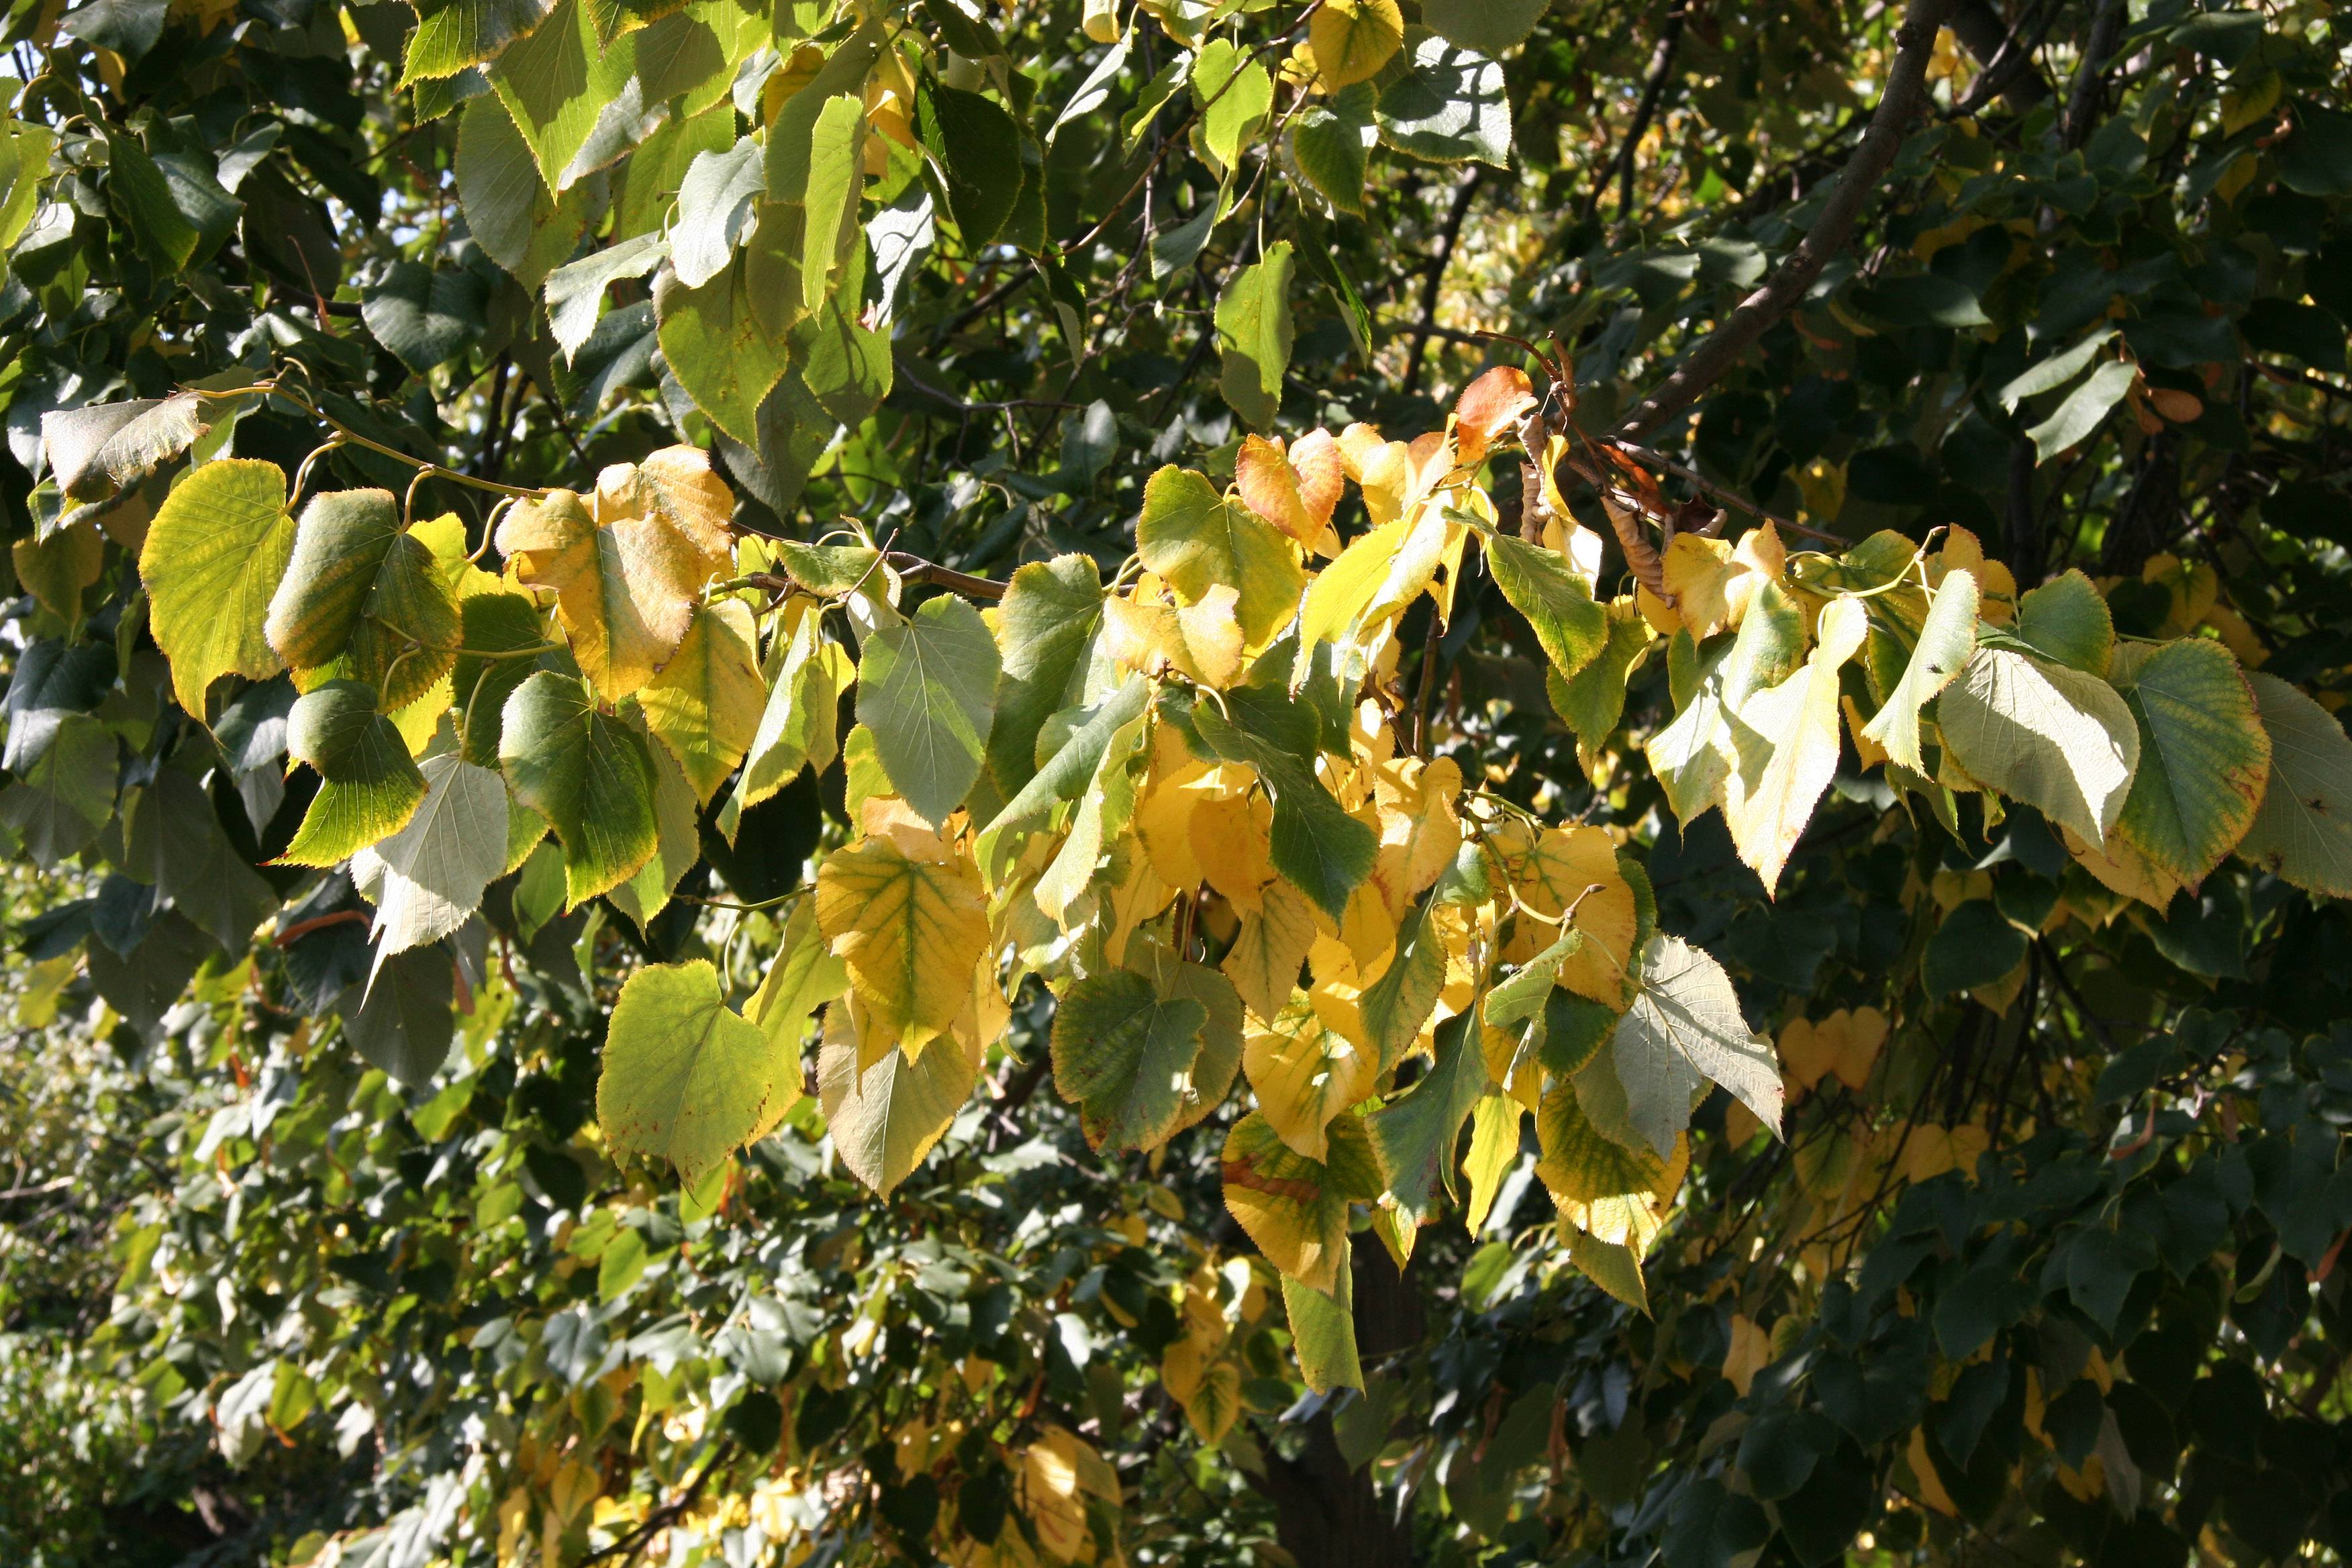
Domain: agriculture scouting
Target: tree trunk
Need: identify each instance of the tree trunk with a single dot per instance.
(1327, 1515)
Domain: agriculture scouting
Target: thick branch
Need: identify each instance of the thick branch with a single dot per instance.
(2091, 75)
(2006, 61)
(1721, 349)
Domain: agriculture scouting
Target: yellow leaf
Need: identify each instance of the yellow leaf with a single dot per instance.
(1556, 873)
(1712, 581)
(1771, 795)
(1274, 941)
(1231, 841)
(1750, 1353)
(1304, 1074)
(705, 705)
(1296, 1208)
(625, 589)
(1611, 1191)
(909, 929)
(1354, 38)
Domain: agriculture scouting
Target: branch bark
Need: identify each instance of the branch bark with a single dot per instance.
(2091, 75)
(1450, 236)
(2006, 61)
(1721, 349)
(1654, 88)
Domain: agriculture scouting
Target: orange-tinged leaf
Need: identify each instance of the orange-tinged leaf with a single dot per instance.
(1488, 406)
(625, 590)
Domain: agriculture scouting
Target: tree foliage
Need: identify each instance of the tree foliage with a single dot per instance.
(638, 623)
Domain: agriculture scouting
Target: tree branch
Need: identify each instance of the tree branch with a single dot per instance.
(2004, 60)
(1721, 349)
(1447, 238)
(1621, 167)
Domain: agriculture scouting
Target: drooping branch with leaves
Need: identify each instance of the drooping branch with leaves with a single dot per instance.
(856, 782)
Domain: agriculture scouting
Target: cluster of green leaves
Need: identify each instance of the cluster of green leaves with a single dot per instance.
(385, 830)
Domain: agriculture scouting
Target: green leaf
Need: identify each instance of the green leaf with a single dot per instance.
(2057, 738)
(803, 976)
(727, 342)
(211, 560)
(1948, 640)
(1123, 1054)
(1449, 107)
(362, 595)
(796, 727)
(2203, 754)
(426, 879)
(1045, 628)
(400, 1020)
(1710, 1527)
(575, 293)
(426, 316)
(104, 448)
(837, 178)
(492, 624)
(1683, 1030)
(1296, 1208)
(1489, 27)
(1254, 334)
(68, 794)
(928, 691)
(715, 206)
(1191, 535)
(1104, 807)
(452, 35)
(2067, 619)
(1234, 93)
(1974, 945)
(372, 787)
(1323, 1332)
(1402, 998)
(2303, 831)
(885, 1118)
(517, 221)
(1333, 142)
(678, 845)
(2049, 374)
(976, 147)
(143, 195)
(1414, 1136)
(684, 1077)
(588, 773)
(1316, 844)
(173, 840)
(1067, 772)
(559, 82)
(1569, 625)
(707, 704)
(2085, 410)
(1591, 702)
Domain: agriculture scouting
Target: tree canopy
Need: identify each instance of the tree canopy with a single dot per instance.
(1329, 783)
